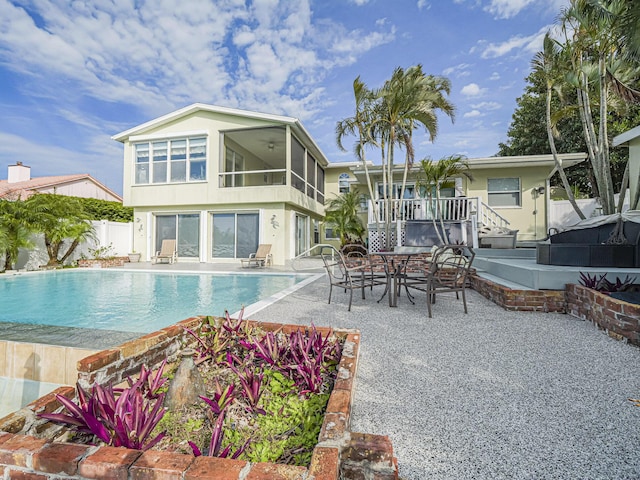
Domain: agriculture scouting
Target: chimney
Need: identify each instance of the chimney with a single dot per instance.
(18, 173)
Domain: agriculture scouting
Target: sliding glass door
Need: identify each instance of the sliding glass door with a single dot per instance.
(235, 235)
(185, 228)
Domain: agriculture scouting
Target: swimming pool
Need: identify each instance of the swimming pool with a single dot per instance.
(128, 301)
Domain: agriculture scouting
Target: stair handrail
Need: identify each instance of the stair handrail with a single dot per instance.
(307, 253)
(488, 216)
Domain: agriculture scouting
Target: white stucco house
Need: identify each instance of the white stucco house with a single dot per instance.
(221, 181)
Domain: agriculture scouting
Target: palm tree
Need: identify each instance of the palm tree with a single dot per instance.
(358, 125)
(407, 100)
(60, 219)
(432, 177)
(546, 63)
(594, 43)
(342, 215)
(16, 227)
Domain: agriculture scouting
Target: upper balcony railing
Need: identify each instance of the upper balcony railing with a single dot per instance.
(454, 209)
(253, 178)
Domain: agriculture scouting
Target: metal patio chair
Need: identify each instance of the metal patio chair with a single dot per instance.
(348, 278)
(448, 271)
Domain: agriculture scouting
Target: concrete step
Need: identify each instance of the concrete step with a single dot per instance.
(502, 281)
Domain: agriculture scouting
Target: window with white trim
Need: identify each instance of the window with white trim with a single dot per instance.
(504, 192)
(170, 161)
(343, 183)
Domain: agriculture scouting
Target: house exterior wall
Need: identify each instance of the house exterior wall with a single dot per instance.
(276, 205)
(530, 217)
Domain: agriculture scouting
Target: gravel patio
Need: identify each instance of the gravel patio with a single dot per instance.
(489, 395)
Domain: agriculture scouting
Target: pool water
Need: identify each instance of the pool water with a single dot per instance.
(130, 301)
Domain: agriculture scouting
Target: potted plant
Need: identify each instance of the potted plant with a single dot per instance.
(134, 257)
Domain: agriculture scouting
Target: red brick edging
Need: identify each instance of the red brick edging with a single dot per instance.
(23, 455)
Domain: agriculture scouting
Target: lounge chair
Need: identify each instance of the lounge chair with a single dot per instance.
(261, 258)
(167, 252)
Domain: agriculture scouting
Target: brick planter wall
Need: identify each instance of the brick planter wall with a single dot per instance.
(621, 320)
(523, 300)
(24, 453)
(104, 263)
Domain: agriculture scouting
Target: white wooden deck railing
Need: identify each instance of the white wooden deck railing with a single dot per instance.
(456, 208)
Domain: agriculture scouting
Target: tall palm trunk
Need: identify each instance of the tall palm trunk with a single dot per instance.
(556, 159)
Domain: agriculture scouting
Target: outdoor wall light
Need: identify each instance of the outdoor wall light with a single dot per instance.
(274, 222)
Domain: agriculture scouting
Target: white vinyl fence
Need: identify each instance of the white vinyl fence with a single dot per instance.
(116, 235)
(562, 214)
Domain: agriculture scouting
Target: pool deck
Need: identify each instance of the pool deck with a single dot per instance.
(493, 394)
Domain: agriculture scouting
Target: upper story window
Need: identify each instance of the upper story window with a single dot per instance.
(171, 161)
(504, 192)
(343, 183)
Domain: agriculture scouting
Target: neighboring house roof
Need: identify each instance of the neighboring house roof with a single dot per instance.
(566, 159)
(25, 189)
(626, 136)
(202, 107)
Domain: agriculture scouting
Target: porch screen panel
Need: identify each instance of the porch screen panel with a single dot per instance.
(165, 229)
(189, 235)
(311, 176)
(320, 184)
(248, 234)
(297, 164)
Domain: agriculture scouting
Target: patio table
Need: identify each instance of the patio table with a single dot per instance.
(395, 264)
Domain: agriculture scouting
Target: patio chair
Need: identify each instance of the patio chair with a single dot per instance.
(448, 271)
(348, 278)
(260, 258)
(356, 254)
(167, 252)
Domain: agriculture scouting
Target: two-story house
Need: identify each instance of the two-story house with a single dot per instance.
(221, 181)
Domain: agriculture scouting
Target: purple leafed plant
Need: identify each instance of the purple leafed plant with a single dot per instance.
(222, 399)
(251, 383)
(268, 349)
(602, 284)
(148, 382)
(122, 418)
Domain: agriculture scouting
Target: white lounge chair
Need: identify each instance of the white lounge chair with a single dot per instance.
(167, 252)
(261, 258)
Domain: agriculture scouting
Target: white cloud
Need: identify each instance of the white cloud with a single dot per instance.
(486, 105)
(494, 76)
(472, 90)
(155, 57)
(460, 70)
(522, 44)
(360, 2)
(506, 8)
(423, 4)
(472, 113)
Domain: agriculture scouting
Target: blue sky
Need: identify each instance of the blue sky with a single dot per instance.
(73, 73)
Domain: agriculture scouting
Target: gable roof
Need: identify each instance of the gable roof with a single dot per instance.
(295, 124)
(27, 188)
